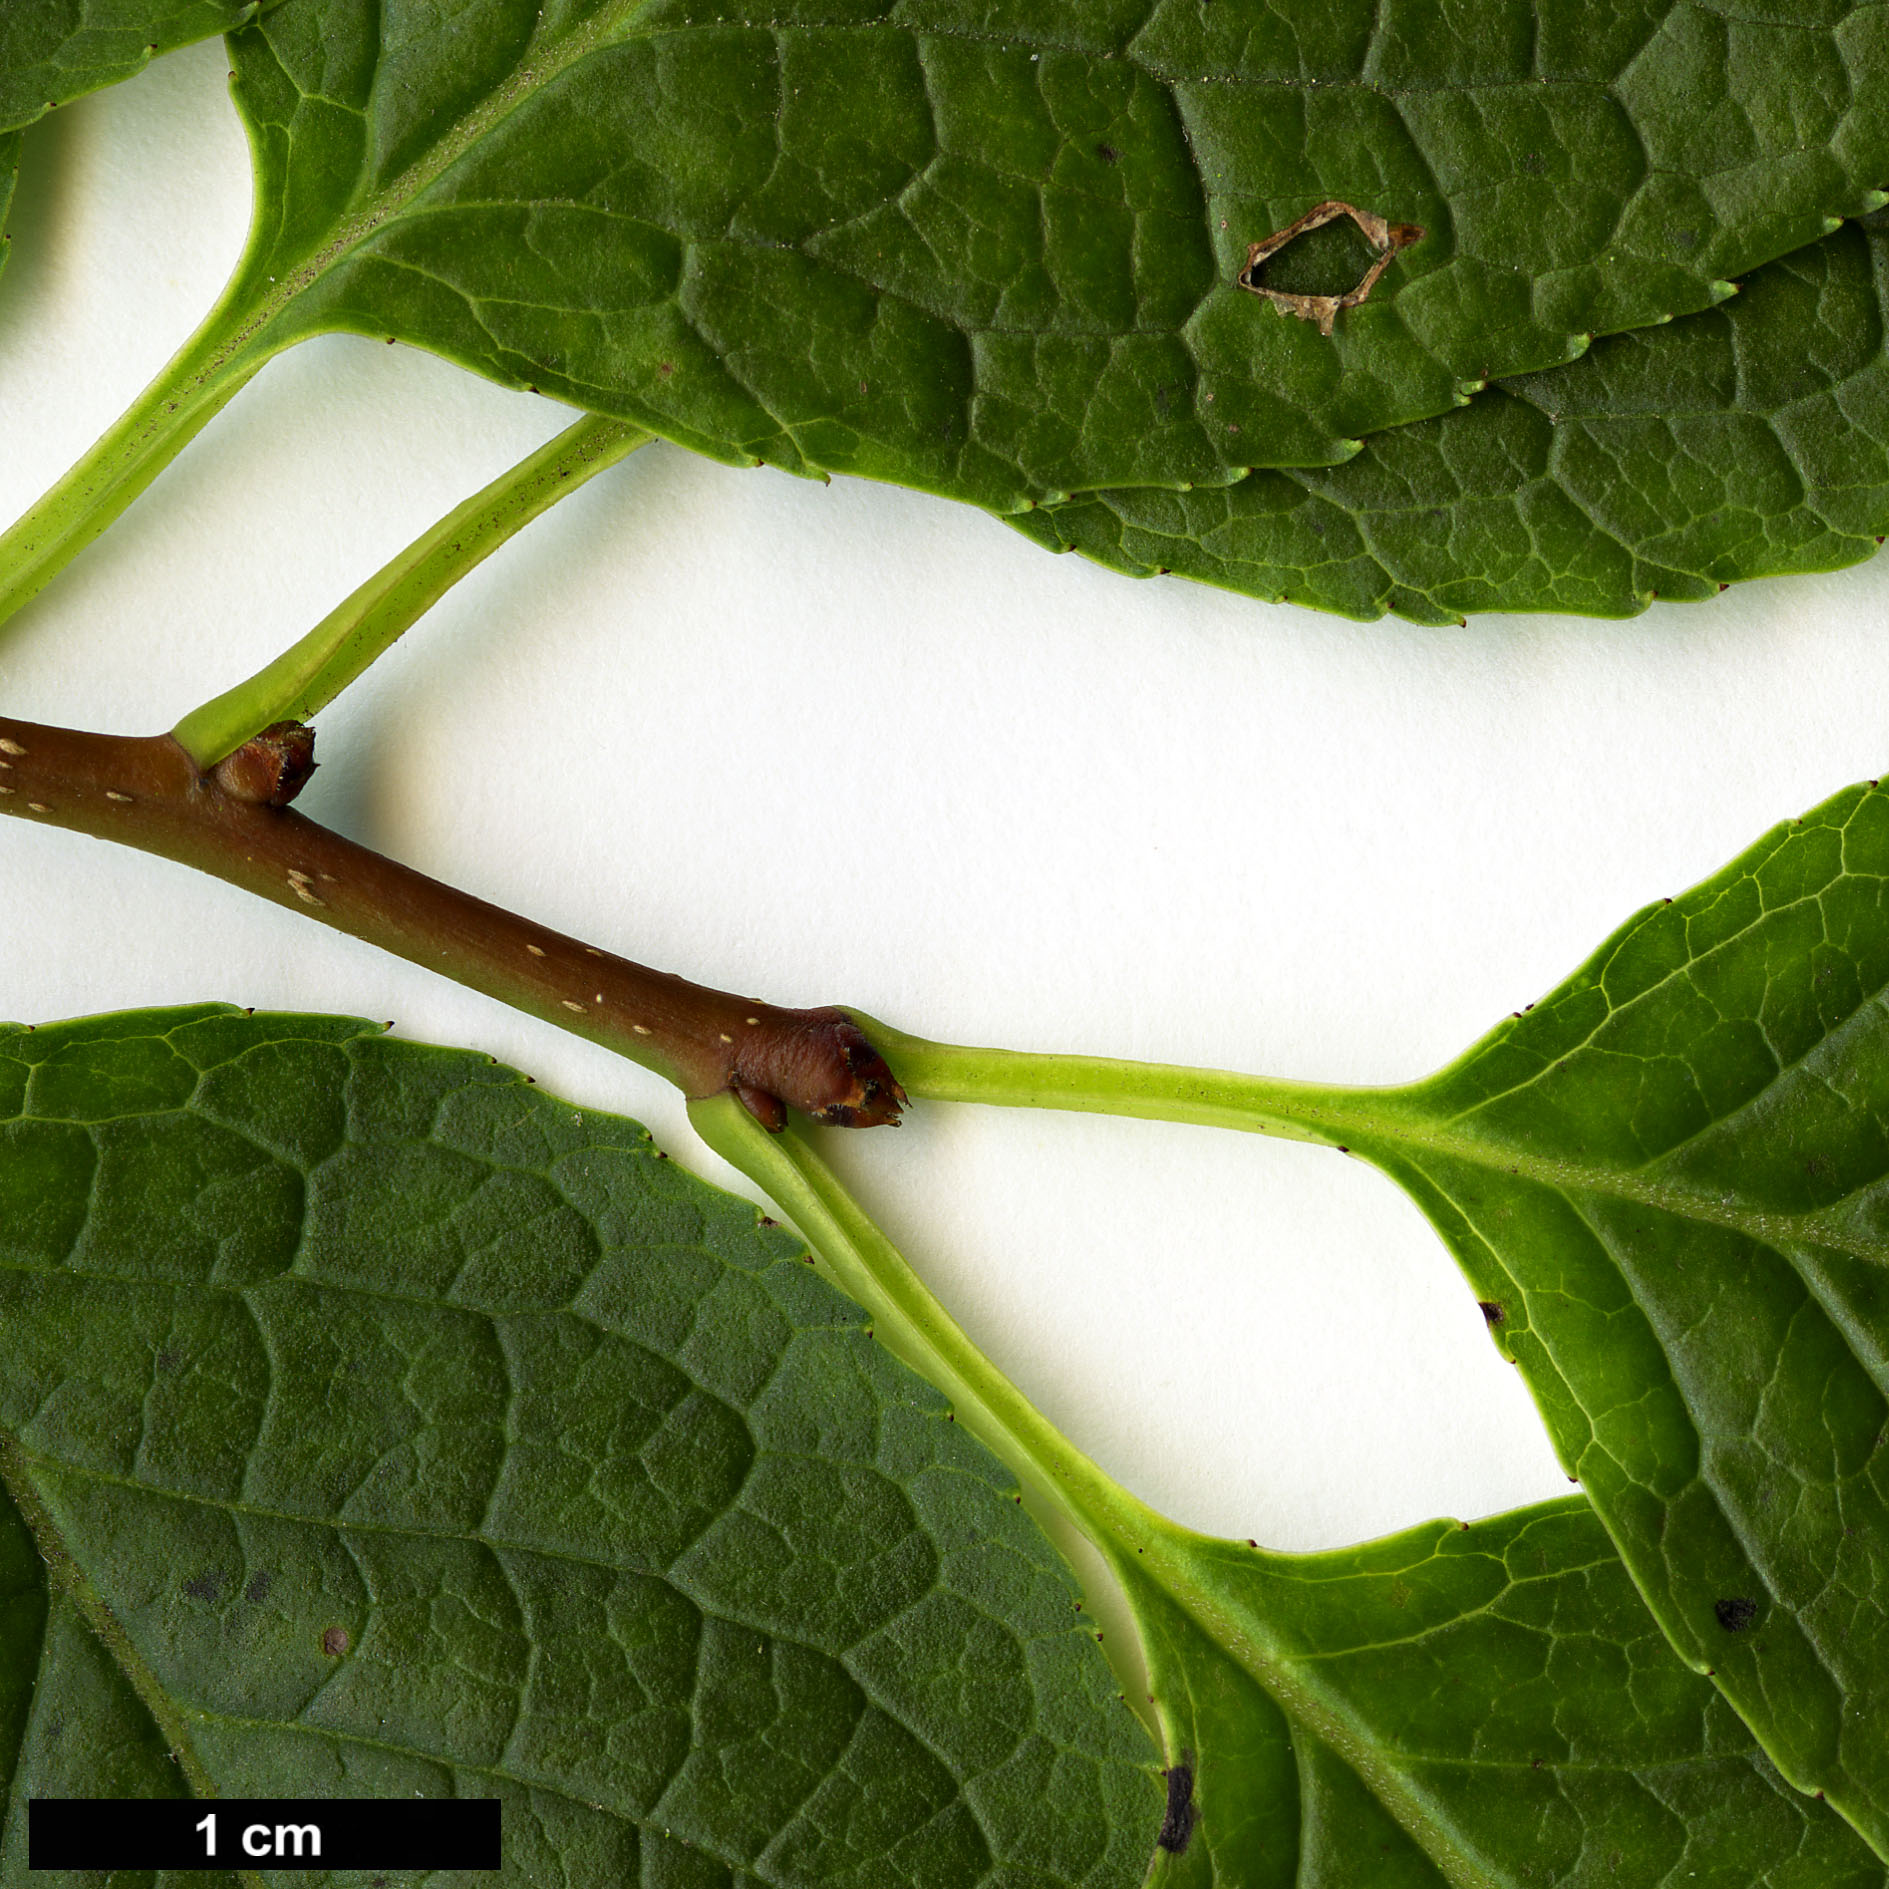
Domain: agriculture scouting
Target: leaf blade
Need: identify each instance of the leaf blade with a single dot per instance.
(53, 53)
(1659, 1176)
(600, 1499)
(1011, 276)
(1739, 443)
(1510, 1711)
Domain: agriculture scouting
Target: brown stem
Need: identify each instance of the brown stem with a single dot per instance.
(147, 793)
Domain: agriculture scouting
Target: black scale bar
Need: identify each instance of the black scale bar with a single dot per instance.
(263, 1833)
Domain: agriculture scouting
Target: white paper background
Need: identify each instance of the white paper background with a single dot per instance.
(849, 744)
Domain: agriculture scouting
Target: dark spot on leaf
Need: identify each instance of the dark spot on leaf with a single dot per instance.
(335, 1642)
(665, 368)
(1177, 1827)
(1492, 1312)
(1108, 153)
(1534, 163)
(205, 1586)
(167, 1359)
(1736, 1614)
(258, 1588)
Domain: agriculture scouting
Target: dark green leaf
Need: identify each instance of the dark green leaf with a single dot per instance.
(402, 1429)
(9, 176)
(1746, 441)
(1507, 1712)
(962, 246)
(71, 1724)
(1479, 1707)
(54, 50)
(1666, 1181)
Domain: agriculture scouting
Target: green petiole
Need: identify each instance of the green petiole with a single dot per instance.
(311, 673)
(1102, 1085)
(1241, 1598)
(194, 386)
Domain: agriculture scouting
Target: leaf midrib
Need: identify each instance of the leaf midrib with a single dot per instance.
(525, 82)
(1376, 1134)
(66, 1577)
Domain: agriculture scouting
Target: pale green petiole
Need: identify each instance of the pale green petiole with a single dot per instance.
(1238, 1596)
(914, 1326)
(311, 673)
(1101, 1085)
(193, 387)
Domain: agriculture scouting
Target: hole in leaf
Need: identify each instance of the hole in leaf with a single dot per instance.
(1330, 260)
(1333, 243)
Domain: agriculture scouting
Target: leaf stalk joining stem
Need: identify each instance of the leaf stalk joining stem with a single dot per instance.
(1102, 1085)
(308, 675)
(1149, 1555)
(148, 793)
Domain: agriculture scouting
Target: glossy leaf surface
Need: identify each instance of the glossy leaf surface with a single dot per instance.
(989, 252)
(55, 50)
(402, 1429)
(1507, 1713)
(1747, 441)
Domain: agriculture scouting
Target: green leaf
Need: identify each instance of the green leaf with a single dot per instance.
(70, 1723)
(1508, 1712)
(391, 1426)
(55, 50)
(9, 176)
(941, 243)
(1668, 1184)
(402, 1429)
(1450, 1706)
(949, 245)
(1667, 1180)
(1746, 441)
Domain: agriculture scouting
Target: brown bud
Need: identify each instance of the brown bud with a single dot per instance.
(766, 1109)
(823, 1065)
(271, 768)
